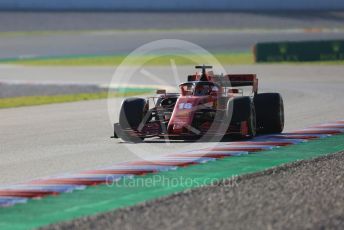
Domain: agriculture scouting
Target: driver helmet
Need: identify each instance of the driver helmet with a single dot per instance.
(201, 90)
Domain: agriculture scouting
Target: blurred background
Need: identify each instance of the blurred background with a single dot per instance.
(108, 27)
(58, 51)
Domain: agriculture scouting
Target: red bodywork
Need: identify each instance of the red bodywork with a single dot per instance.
(182, 116)
(184, 110)
(180, 120)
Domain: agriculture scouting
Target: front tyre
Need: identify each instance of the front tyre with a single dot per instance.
(131, 115)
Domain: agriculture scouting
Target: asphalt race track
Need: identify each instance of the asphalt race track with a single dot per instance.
(121, 42)
(54, 139)
(120, 33)
(55, 21)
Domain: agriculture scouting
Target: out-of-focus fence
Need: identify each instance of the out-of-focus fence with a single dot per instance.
(299, 51)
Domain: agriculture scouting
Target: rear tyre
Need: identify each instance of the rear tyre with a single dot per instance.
(131, 115)
(242, 109)
(269, 112)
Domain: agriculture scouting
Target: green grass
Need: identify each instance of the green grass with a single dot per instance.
(115, 60)
(42, 100)
(235, 58)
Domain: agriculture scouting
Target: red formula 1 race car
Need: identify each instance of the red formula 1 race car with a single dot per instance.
(207, 105)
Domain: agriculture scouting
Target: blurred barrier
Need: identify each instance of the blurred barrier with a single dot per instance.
(168, 5)
(299, 51)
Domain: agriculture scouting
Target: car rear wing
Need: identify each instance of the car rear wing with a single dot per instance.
(237, 80)
(230, 80)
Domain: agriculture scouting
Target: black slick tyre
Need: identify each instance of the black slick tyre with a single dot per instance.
(269, 112)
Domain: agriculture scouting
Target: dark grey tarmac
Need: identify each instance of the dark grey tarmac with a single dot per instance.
(121, 33)
(124, 42)
(33, 21)
(301, 195)
(40, 141)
